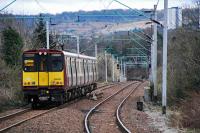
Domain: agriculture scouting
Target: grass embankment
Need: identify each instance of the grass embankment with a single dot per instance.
(183, 78)
(10, 86)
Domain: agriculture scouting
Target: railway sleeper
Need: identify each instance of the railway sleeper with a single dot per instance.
(36, 98)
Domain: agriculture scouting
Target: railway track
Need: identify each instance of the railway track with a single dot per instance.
(119, 120)
(111, 85)
(92, 110)
(15, 119)
(2, 118)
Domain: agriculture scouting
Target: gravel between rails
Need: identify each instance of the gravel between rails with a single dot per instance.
(103, 119)
(65, 120)
(136, 121)
(20, 117)
(10, 112)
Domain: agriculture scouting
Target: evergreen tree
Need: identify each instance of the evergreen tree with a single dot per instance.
(12, 46)
(40, 34)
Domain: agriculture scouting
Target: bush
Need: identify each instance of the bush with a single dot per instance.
(12, 47)
(183, 63)
(184, 77)
(10, 89)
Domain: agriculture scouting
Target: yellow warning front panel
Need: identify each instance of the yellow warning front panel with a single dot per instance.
(43, 78)
(56, 78)
(30, 79)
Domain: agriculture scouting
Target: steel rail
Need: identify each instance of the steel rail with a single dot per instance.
(26, 110)
(14, 114)
(111, 85)
(86, 120)
(123, 127)
(22, 121)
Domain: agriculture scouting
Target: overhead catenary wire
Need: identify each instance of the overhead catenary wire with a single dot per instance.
(138, 12)
(118, 14)
(38, 3)
(136, 35)
(8, 5)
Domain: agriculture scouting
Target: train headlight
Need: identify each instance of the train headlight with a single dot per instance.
(45, 53)
(40, 53)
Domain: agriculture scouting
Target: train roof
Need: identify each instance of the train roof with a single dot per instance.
(78, 55)
(64, 52)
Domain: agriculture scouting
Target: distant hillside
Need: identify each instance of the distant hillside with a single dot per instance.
(116, 15)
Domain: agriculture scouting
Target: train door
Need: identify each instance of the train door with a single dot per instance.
(78, 71)
(93, 71)
(69, 72)
(96, 69)
(73, 66)
(86, 72)
(90, 71)
(43, 75)
(81, 71)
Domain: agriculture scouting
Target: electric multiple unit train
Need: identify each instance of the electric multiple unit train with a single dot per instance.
(53, 75)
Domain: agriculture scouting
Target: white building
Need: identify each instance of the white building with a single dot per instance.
(175, 17)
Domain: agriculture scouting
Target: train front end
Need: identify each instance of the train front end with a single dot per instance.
(43, 75)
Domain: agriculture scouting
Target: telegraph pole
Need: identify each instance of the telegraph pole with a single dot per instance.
(96, 51)
(78, 42)
(117, 77)
(124, 70)
(199, 12)
(96, 54)
(154, 65)
(113, 67)
(47, 33)
(106, 65)
(164, 75)
(121, 71)
(151, 73)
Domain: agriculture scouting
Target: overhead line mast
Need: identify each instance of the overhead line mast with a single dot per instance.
(164, 75)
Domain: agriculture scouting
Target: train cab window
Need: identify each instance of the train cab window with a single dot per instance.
(56, 62)
(29, 64)
(43, 63)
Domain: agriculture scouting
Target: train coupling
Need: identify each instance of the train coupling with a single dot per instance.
(44, 98)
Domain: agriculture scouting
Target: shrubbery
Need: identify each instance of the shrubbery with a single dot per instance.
(12, 47)
(10, 87)
(183, 77)
(184, 63)
(10, 68)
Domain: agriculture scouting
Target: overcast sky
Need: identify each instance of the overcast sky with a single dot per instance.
(58, 6)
